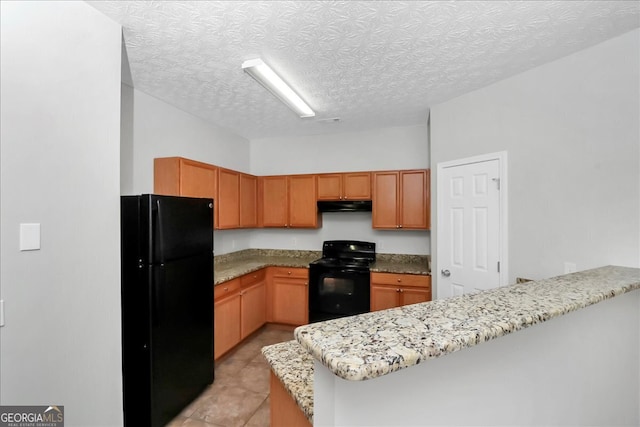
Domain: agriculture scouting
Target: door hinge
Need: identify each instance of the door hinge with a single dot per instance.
(498, 266)
(1, 312)
(497, 181)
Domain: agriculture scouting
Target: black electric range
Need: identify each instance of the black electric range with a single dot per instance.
(339, 282)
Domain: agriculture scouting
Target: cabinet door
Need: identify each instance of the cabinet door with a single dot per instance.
(290, 301)
(413, 199)
(228, 199)
(253, 311)
(385, 200)
(330, 186)
(384, 296)
(197, 181)
(248, 201)
(303, 210)
(226, 315)
(274, 201)
(356, 186)
(414, 295)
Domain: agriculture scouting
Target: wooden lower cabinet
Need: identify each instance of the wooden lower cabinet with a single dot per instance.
(289, 296)
(389, 290)
(284, 410)
(226, 317)
(239, 309)
(253, 306)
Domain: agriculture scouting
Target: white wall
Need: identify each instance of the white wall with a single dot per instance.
(152, 128)
(575, 370)
(572, 132)
(60, 84)
(378, 149)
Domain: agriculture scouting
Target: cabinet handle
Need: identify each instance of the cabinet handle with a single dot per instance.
(399, 280)
(401, 290)
(288, 272)
(400, 226)
(398, 290)
(226, 289)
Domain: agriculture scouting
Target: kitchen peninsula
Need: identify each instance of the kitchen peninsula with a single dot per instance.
(578, 365)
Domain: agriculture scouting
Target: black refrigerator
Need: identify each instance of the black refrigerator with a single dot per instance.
(167, 305)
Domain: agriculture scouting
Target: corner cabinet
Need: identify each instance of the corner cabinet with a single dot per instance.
(401, 200)
(389, 290)
(289, 201)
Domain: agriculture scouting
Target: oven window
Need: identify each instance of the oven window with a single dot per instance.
(336, 285)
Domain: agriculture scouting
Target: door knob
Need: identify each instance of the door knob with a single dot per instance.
(445, 273)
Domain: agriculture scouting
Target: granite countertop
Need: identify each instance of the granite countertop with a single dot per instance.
(230, 266)
(374, 344)
(294, 367)
(236, 264)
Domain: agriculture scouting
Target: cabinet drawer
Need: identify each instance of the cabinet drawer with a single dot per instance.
(299, 273)
(252, 278)
(401, 279)
(224, 289)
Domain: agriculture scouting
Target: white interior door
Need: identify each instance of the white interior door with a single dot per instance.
(470, 232)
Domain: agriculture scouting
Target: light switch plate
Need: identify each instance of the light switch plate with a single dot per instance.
(30, 237)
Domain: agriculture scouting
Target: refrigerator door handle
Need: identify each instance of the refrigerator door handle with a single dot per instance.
(160, 236)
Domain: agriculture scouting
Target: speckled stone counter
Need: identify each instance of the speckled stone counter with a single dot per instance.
(229, 266)
(294, 367)
(375, 344)
(404, 264)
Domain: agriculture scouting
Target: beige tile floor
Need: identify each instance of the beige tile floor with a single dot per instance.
(239, 395)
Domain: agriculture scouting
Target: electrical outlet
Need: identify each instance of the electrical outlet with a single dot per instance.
(570, 267)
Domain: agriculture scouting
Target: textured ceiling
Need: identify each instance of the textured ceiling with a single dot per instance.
(371, 63)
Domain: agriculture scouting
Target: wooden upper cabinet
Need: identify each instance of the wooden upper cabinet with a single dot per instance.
(248, 201)
(414, 196)
(176, 176)
(228, 199)
(274, 198)
(289, 201)
(344, 186)
(303, 209)
(385, 199)
(330, 186)
(401, 199)
(357, 186)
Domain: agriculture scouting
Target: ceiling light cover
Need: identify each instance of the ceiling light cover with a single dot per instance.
(264, 75)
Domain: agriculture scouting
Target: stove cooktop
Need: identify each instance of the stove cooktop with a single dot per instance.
(343, 262)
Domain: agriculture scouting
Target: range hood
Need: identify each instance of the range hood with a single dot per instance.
(345, 206)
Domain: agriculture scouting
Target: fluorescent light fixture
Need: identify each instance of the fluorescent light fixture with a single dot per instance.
(264, 75)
